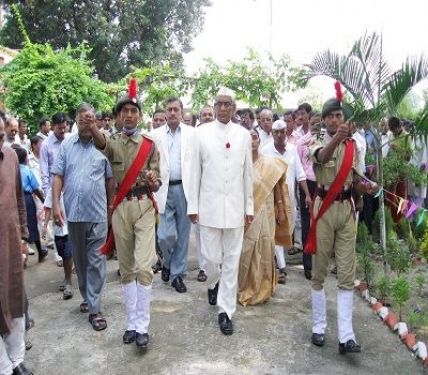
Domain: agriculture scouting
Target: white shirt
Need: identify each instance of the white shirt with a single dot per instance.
(361, 143)
(34, 165)
(295, 172)
(174, 152)
(265, 138)
(222, 175)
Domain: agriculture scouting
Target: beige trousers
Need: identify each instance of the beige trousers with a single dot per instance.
(134, 232)
(336, 232)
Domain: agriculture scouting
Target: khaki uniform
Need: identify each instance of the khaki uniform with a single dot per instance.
(337, 227)
(134, 220)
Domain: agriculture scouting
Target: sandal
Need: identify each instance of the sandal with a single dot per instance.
(84, 308)
(282, 276)
(294, 251)
(97, 321)
(202, 276)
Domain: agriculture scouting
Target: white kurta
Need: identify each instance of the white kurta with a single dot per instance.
(221, 195)
(295, 172)
(222, 175)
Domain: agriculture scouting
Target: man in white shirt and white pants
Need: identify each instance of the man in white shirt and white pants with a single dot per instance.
(175, 143)
(221, 200)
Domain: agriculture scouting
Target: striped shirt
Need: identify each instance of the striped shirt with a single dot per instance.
(85, 171)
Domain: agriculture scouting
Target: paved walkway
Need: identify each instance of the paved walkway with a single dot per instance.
(185, 340)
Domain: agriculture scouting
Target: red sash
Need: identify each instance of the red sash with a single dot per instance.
(333, 191)
(129, 179)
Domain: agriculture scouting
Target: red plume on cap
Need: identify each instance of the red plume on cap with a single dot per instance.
(339, 93)
(132, 89)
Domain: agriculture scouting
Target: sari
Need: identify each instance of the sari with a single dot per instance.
(257, 272)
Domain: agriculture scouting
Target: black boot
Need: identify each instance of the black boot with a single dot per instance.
(142, 340)
(129, 337)
(349, 347)
(21, 370)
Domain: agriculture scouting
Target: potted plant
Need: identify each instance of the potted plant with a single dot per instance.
(383, 289)
(400, 290)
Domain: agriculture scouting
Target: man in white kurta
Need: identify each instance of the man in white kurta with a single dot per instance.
(221, 200)
(295, 173)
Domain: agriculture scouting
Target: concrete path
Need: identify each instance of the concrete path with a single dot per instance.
(273, 338)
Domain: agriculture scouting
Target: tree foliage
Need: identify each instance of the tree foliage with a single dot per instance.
(253, 82)
(157, 82)
(121, 33)
(41, 81)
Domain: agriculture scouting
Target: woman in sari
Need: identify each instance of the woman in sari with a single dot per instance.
(271, 224)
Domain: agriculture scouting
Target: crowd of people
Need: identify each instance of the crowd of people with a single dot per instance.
(251, 184)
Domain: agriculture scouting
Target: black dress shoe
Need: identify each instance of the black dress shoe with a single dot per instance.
(129, 336)
(165, 274)
(226, 326)
(21, 370)
(212, 295)
(318, 339)
(308, 274)
(178, 284)
(349, 347)
(142, 340)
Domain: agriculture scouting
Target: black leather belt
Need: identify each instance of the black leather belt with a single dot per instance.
(176, 182)
(342, 196)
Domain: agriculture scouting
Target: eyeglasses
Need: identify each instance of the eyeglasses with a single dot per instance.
(225, 104)
(282, 131)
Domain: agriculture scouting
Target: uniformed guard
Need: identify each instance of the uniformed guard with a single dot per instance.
(333, 225)
(135, 166)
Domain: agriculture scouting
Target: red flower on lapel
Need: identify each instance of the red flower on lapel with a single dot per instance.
(227, 145)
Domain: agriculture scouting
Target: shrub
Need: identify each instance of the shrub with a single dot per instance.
(400, 293)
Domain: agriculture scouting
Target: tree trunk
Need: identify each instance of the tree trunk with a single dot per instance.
(382, 207)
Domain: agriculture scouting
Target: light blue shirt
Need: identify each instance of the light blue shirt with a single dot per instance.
(174, 152)
(29, 180)
(85, 171)
(48, 152)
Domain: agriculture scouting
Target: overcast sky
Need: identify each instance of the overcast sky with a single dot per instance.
(302, 28)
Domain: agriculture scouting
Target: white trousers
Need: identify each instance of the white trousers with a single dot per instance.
(137, 298)
(280, 257)
(222, 250)
(12, 347)
(345, 331)
(201, 259)
(344, 315)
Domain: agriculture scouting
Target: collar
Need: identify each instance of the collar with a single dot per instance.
(219, 123)
(54, 138)
(77, 139)
(276, 150)
(169, 131)
(131, 138)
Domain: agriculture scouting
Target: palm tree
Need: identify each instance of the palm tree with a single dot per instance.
(376, 90)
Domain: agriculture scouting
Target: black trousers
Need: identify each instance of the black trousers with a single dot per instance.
(306, 220)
